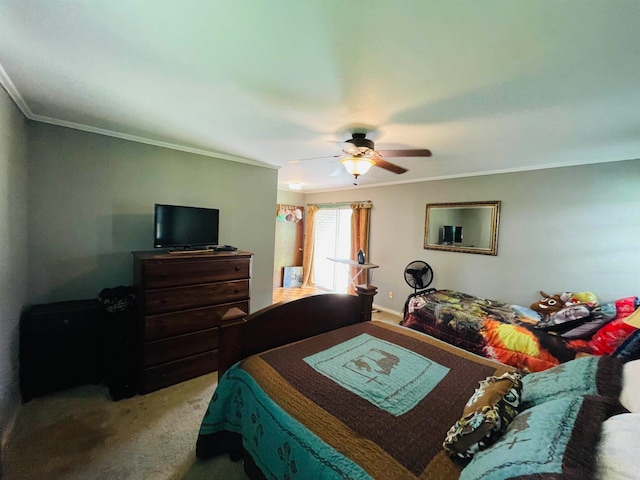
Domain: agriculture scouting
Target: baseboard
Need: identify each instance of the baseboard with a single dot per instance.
(388, 310)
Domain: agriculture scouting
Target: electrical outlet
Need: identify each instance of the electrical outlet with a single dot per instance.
(390, 294)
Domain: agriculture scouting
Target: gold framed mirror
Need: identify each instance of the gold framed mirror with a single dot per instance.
(466, 227)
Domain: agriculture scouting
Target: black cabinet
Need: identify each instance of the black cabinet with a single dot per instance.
(60, 346)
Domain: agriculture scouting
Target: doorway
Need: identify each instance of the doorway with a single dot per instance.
(289, 238)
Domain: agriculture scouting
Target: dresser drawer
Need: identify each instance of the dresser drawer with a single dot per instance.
(174, 372)
(186, 321)
(168, 349)
(162, 273)
(180, 298)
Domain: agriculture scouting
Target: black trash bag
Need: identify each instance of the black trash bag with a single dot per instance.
(117, 299)
(120, 341)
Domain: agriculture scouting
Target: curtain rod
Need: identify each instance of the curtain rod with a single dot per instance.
(338, 204)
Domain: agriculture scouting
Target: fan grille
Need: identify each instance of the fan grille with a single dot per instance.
(418, 275)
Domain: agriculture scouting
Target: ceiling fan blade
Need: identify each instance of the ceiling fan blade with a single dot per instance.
(379, 162)
(298, 160)
(405, 153)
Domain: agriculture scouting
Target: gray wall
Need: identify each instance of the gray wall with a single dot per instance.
(91, 203)
(564, 229)
(13, 254)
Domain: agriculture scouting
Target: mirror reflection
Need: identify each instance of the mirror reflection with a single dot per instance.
(470, 227)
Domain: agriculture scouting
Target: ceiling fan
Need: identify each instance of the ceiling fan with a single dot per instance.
(361, 155)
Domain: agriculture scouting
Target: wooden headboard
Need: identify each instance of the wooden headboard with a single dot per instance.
(287, 322)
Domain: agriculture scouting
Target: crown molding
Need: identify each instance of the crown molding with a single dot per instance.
(14, 94)
(148, 141)
(26, 111)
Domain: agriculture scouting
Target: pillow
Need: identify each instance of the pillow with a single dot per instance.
(556, 439)
(633, 319)
(583, 376)
(619, 449)
(565, 318)
(629, 349)
(600, 316)
(531, 315)
(609, 337)
(630, 395)
(486, 415)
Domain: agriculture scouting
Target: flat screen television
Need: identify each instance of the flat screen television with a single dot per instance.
(181, 227)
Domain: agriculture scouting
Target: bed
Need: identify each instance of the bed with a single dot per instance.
(313, 389)
(493, 329)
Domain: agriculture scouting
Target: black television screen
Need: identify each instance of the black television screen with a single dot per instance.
(177, 226)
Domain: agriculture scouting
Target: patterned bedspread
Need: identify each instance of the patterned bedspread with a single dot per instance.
(370, 400)
(490, 328)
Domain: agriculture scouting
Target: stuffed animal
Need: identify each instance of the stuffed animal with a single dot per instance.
(567, 298)
(548, 305)
(588, 298)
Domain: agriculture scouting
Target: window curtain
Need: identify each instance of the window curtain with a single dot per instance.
(360, 219)
(308, 247)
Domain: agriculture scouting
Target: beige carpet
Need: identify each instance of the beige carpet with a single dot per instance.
(81, 434)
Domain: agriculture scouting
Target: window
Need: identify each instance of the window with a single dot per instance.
(332, 239)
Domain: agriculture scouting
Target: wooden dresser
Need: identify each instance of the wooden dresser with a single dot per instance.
(181, 299)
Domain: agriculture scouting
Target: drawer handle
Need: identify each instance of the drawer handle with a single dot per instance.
(165, 275)
(237, 268)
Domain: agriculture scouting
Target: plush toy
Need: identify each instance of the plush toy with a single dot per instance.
(567, 298)
(587, 298)
(548, 305)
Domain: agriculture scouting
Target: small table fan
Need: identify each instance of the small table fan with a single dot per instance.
(418, 275)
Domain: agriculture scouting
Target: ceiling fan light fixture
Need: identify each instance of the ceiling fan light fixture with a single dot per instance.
(357, 166)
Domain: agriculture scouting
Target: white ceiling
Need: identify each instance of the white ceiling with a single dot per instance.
(488, 86)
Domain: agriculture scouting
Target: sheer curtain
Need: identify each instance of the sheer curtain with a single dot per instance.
(360, 219)
(308, 246)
